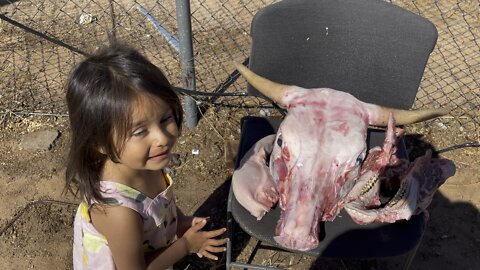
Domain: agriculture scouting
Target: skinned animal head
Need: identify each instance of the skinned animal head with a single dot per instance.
(315, 161)
(318, 152)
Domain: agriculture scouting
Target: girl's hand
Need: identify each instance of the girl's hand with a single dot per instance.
(196, 220)
(202, 242)
(186, 222)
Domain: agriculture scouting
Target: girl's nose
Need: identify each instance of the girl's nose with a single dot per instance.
(160, 137)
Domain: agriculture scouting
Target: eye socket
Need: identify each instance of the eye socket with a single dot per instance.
(279, 140)
(360, 158)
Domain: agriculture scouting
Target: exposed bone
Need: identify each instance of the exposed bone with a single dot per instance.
(418, 186)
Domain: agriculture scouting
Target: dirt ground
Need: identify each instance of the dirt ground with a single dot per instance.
(36, 219)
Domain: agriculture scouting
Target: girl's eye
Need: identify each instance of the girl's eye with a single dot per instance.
(166, 119)
(139, 132)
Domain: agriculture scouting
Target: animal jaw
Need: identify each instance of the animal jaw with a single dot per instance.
(418, 185)
(418, 182)
(367, 186)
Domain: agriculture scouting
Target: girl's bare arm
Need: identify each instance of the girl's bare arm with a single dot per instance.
(184, 222)
(123, 229)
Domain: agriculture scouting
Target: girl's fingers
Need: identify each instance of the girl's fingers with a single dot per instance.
(217, 242)
(212, 234)
(212, 246)
(215, 249)
(209, 255)
(196, 220)
(199, 225)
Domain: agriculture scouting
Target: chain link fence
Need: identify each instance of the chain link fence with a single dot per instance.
(43, 39)
(451, 78)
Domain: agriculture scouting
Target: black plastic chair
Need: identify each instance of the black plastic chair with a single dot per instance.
(369, 48)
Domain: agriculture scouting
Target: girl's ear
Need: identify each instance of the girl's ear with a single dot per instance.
(102, 154)
(101, 150)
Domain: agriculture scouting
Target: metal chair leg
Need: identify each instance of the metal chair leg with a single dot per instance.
(412, 254)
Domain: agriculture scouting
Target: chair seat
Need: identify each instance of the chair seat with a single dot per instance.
(341, 237)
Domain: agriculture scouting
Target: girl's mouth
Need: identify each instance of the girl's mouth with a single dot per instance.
(159, 156)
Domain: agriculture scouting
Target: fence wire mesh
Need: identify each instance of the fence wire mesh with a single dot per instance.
(43, 39)
(451, 76)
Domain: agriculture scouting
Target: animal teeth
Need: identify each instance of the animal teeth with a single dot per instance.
(398, 196)
(369, 185)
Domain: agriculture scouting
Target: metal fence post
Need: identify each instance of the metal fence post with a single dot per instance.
(187, 61)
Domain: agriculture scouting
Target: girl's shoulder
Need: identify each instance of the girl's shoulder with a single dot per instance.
(118, 194)
(115, 192)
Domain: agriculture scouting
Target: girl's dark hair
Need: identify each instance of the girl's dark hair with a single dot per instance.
(100, 93)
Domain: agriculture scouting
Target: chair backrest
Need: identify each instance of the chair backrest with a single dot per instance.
(372, 49)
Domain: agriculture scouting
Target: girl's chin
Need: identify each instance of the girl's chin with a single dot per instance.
(156, 164)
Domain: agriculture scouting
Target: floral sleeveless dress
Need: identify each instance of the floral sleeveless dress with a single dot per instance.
(90, 248)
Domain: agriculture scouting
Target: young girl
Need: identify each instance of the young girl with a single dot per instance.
(125, 119)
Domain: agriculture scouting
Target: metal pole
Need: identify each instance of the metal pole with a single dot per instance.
(187, 62)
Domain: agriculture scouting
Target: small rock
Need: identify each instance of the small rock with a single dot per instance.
(265, 112)
(39, 140)
(441, 125)
(86, 18)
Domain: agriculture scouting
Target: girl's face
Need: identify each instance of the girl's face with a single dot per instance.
(150, 141)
